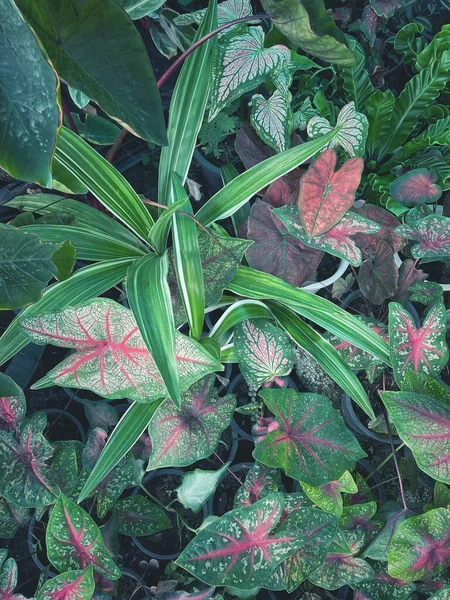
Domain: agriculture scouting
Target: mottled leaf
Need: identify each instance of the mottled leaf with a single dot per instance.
(12, 517)
(416, 187)
(386, 8)
(65, 467)
(12, 404)
(385, 587)
(72, 585)
(100, 414)
(272, 119)
(8, 581)
(329, 495)
(259, 483)
(379, 546)
(226, 11)
(377, 278)
(198, 486)
(408, 274)
(359, 517)
(432, 235)
(426, 292)
(137, 516)
(388, 222)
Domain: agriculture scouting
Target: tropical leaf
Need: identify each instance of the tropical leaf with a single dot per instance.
(311, 443)
(416, 187)
(259, 483)
(379, 107)
(12, 517)
(96, 129)
(426, 292)
(137, 516)
(386, 8)
(329, 495)
(407, 42)
(198, 486)
(368, 243)
(242, 63)
(272, 119)
(357, 84)
(111, 358)
(182, 436)
(351, 127)
(385, 587)
(420, 383)
(65, 467)
(408, 274)
(358, 517)
(369, 24)
(378, 278)
(378, 549)
(100, 414)
(241, 549)
(265, 352)
(8, 580)
(432, 235)
(12, 404)
(72, 585)
(226, 11)
(421, 349)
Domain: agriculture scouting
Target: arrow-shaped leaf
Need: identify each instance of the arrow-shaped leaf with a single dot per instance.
(272, 119)
(72, 585)
(432, 235)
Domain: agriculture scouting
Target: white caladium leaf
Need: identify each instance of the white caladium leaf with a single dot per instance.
(111, 358)
(432, 236)
(241, 64)
(272, 119)
(198, 485)
(353, 128)
(226, 11)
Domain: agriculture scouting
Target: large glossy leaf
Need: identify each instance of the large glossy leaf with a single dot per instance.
(8, 579)
(416, 187)
(12, 404)
(432, 235)
(74, 540)
(71, 585)
(311, 443)
(241, 549)
(111, 358)
(137, 516)
(272, 119)
(95, 47)
(182, 436)
(377, 278)
(29, 111)
(329, 495)
(325, 194)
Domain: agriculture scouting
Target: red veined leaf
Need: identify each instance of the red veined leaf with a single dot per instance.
(111, 358)
(388, 222)
(312, 443)
(358, 516)
(420, 383)
(379, 547)
(137, 516)
(421, 349)
(265, 352)
(408, 275)
(12, 404)
(329, 495)
(12, 517)
(74, 540)
(416, 187)
(377, 278)
(421, 546)
(240, 548)
(325, 194)
(65, 467)
(8, 581)
(182, 436)
(293, 502)
(385, 587)
(259, 483)
(72, 585)
(432, 235)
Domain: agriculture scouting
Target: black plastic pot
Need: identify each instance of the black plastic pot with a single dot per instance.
(63, 420)
(211, 173)
(357, 425)
(223, 498)
(144, 591)
(375, 482)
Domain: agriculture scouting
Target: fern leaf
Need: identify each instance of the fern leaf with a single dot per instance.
(379, 108)
(357, 84)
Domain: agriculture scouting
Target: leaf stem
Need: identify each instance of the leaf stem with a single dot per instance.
(167, 508)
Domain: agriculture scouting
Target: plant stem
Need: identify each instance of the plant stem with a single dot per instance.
(394, 456)
(381, 465)
(115, 147)
(167, 508)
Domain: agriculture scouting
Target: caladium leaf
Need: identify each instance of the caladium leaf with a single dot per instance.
(137, 516)
(182, 436)
(358, 516)
(272, 119)
(421, 546)
(312, 443)
(275, 250)
(198, 485)
(24, 476)
(385, 587)
(353, 129)
(329, 495)
(74, 541)
(240, 548)
(12, 517)
(325, 194)
(426, 292)
(432, 235)
(8, 581)
(386, 8)
(101, 414)
(65, 467)
(72, 585)
(226, 11)
(416, 187)
(388, 222)
(259, 483)
(378, 278)
(201, 595)
(111, 358)
(408, 274)
(421, 349)
(265, 352)
(241, 64)
(379, 547)
(12, 404)
(420, 383)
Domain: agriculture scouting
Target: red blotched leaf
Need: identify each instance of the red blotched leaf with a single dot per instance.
(377, 278)
(407, 276)
(72, 585)
(8, 581)
(240, 548)
(111, 358)
(432, 235)
(325, 195)
(312, 443)
(388, 222)
(416, 187)
(284, 191)
(259, 483)
(181, 436)
(12, 404)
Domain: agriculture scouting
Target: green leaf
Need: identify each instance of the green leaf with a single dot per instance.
(137, 9)
(96, 49)
(227, 11)
(79, 585)
(432, 235)
(12, 402)
(339, 569)
(161, 229)
(79, 99)
(95, 129)
(426, 292)
(8, 578)
(357, 84)
(259, 482)
(29, 110)
(12, 517)
(329, 495)
(198, 486)
(137, 516)
(407, 42)
(273, 120)
(237, 312)
(379, 107)
(64, 260)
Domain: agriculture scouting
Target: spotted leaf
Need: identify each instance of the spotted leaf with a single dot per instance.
(259, 482)
(329, 495)
(111, 358)
(388, 222)
(416, 187)
(12, 517)
(426, 292)
(74, 541)
(137, 516)
(241, 64)
(265, 352)
(378, 549)
(359, 517)
(421, 349)
(421, 546)
(182, 436)
(311, 443)
(272, 119)
(241, 549)
(72, 585)
(385, 587)
(8, 580)
(353, 129)
(432, 235)
(12, 404)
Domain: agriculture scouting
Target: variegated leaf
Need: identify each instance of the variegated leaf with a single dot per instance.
(12, 404)
(226, 11)
(358, 516)
(111, 358)
(385, 587)
(12, 517)
(353, 129)
(416, 187)
(259, 483)
(329, 495)
(426, 292)
(241, 64)
(8, 580)
(272, 119)
(432, 235)
(72, 585)
(137, 516)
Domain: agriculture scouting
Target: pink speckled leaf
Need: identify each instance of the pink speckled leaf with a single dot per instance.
(385, 587)
(72, 585)
(12, 404)
(259, 483)
(111, 358)
(388, 222)
(416, 187)
(432, 235)
(329, 495)
(8, 581)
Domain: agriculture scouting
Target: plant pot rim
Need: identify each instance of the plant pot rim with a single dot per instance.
(315, 287)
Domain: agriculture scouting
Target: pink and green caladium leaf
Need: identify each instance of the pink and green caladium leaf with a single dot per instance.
(353, 128)
(416, 187)
(12, 404)
(421, 349)
(137, 516)
(182, 436)
(12, 517)
(111, 358)
(265, 352)
(65, 467)
(432, 235)
(312, 443)
(326, 194)
(329, 495)
(408, 274)
(8, 581)
(272, 119)
(385, 587)
(378, 277)
(72, 585)
(259, 483)
(378, 549)
(338, 241)
(241, 64)
(227, 11)
(359, 517)
(74, 541)
(426, 292)
(24, 476)
(241, 548)
(420, 383)
(420, 546)
(388, 222)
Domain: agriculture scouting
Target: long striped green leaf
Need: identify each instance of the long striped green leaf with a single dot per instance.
(104, 181)
(151, 303)
(239, 191)
(126, 433)
(82, 285)
(187, 108)
(229, 172)
(188, 262)
(236, 313)
(255, 284)
(228, 354)
(160, 230)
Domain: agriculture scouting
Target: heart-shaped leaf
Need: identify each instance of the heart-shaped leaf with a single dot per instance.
(198, 485)
(72, 585)
(182, 436)
(272, 119)
(377, 278)
(8, 580)
(329, 495)
(432, 235)
(137, 516)
(368, 243)
(359, 517)
(259, 483)
(426, 292)
(379, 547)
(240, 548)
(408, 274)
(416, 187)
(12, 404)
(227, 11)
(353, 128)
(111, 358)
(385, 587)
(421, 349)
(311, 443)
(325, 194)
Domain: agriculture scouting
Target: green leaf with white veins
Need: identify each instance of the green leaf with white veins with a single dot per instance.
(197, 486)
(272, 119)
(241, 64)
(226, 11)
